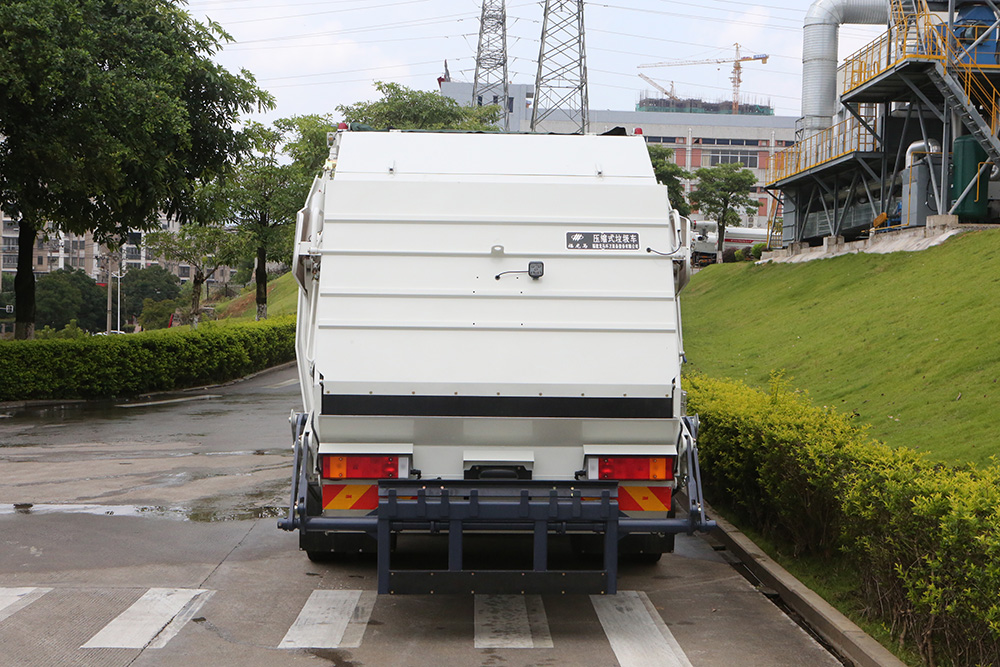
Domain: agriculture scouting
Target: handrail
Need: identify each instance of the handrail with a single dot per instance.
(847, 136)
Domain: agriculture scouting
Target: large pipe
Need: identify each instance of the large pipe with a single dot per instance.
(932, 146)
(819, 54)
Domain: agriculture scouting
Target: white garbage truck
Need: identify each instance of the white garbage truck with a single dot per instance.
(489, 344)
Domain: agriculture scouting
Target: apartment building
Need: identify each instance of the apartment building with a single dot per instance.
(61, 250)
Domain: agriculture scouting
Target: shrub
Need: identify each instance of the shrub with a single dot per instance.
(71, 330)
(924, 537)
(757, 250)
(738, 255)
(728, 255)
(104, 366)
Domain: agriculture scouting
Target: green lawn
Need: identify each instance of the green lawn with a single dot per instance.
(906, 341)
(282, 299)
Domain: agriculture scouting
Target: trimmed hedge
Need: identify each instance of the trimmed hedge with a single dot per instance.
(124, 365)
(924, 537)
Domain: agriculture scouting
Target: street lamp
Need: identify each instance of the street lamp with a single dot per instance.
(119, 293)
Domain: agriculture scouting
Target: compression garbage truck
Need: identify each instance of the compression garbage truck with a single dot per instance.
(489, 344)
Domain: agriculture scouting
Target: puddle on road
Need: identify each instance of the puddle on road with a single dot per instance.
(196, 514)
(98, 409)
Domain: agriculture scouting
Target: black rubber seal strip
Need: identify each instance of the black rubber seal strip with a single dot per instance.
(498, 406)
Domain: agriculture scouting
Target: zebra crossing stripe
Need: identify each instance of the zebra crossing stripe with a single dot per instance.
(183, 616)
(636, 632)
(511, 621)
(331, 619)
(151, 616)
(13, 600)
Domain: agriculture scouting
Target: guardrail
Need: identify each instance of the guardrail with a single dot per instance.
(847, 136)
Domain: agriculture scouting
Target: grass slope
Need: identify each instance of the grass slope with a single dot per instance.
(282, 299)
(906, 341)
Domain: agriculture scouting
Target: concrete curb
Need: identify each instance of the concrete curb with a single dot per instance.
(840, 632)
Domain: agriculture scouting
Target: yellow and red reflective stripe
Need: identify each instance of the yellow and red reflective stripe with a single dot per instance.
(643, 498)
(350, 496)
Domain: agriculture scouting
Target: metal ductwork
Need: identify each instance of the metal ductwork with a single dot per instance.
(819, 54)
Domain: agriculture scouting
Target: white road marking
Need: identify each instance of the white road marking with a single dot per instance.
(324, 620)
(168, 401)
(637, 633)
(355, 631)
(13, 600)
(511, 621)
(286, 383)
(539, 622)
(140, 624)
(183, 616)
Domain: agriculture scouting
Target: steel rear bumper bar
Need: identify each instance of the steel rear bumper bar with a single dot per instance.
(536, 507)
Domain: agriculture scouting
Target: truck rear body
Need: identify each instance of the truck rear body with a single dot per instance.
(483, 331)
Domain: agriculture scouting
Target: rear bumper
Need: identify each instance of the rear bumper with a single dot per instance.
(536, 507)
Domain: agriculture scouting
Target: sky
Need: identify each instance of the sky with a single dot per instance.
(313, 55)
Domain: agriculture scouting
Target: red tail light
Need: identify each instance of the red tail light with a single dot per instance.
(360, 467)
(635, 467)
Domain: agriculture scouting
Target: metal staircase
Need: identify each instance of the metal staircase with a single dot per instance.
(972, 117)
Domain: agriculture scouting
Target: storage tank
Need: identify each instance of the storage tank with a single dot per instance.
(968, 157)
(971, 21)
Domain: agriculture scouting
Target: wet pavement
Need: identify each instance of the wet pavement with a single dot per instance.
(221, 453)
(145, 535)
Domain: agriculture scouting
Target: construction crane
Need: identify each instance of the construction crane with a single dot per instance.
(737, 75)
(669, 93)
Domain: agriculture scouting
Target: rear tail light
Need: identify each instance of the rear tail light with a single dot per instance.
(656, 468)
(360, 467)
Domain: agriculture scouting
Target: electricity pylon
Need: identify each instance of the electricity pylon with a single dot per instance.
(561, 82)
(490, 85)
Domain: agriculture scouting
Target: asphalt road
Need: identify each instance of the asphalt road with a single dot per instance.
(144, 534)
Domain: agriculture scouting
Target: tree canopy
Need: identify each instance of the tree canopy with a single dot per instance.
(109, 110)
(267, 195)
(669, 173)
(722, 193)
(70, 294)
(407, 109)
(305, 140)
(153, 282)
(204, 248)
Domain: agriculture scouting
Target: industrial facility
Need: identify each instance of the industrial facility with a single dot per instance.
(904, 132)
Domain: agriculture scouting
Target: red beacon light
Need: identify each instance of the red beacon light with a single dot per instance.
(637, 131)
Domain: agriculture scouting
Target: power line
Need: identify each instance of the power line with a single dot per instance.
(362, 41)
(352, 71)
(332, 11)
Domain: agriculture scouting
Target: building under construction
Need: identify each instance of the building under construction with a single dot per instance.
(696, 105)
(904, 131)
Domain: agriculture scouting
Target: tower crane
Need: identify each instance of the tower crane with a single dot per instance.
(669, 93)
(737, 76)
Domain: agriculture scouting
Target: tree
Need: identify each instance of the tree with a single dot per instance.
(669, 173)
(407, 109)
(153, 282)
(305, 140)
(156, 314)
(203, 247)
(109, 110)
(721, 192)
(70, 294)
(265, 199)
